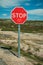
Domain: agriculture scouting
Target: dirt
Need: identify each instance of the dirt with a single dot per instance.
(29, 42)
(10, 59)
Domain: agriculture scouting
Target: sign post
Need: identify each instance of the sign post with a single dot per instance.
(19, 16)
(18, 40)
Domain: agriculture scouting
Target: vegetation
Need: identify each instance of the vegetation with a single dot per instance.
(38, 64)
(29, 26)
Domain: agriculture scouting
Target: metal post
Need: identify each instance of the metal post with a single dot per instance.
(19, 40)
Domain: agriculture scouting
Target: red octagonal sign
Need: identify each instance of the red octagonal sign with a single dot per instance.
(19, 15)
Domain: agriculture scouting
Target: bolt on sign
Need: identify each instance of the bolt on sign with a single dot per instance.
(18, 16)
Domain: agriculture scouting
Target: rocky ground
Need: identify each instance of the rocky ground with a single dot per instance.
(30, 42)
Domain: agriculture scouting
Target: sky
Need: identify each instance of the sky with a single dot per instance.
(34, 8)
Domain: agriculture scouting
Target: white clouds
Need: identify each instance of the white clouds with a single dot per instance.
(4, 14)
(9, 3)
(36, 12)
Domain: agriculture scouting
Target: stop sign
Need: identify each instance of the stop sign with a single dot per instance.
(19, 15)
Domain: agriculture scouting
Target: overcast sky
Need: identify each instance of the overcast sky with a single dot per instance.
(34, 8)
